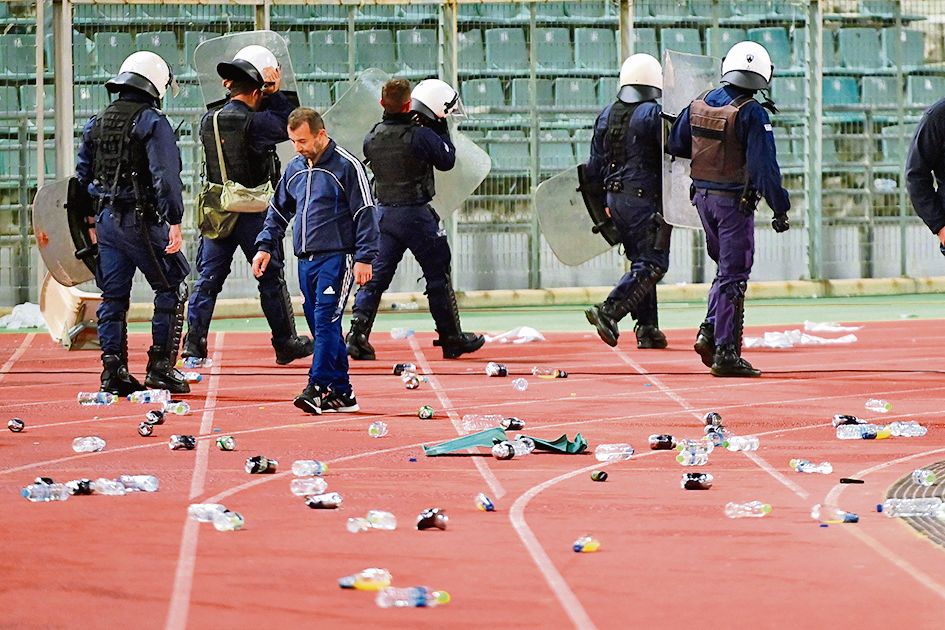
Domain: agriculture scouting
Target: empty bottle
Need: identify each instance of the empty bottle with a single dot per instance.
(376, 519)
(861, 432)
(42, 492)
(807, 466)
(703, 445)
(227, 521)
(305, 486)
(377, 429)
(308, 468)
(179, 407)
(432, 518)
(548, 372)
(87, 399)
(923, 476)
(613, 452)
(404, 306)
(877, 405)
(327, 501)
(109, 487)
(925, 506)
(693, 458)
(753, 509)
(203, 512)
(520, 384)
(831, 514)
(154, 416)
(79, 486)
(840, 419)
(195, 362)
(400, 368)
(260, 465)
(411, 597)
(696, 481)
(373, 579)
(182, 443)
(510, 449)
(90, 444)
(484, 503)
(193, 377)
(586, 544)
(474, 422)
(401, 333)
(742, 443)
(906, 429)
(140, 483)
(496, 369)
(148, 396)
(716, 435)
(712, 418)
(662, 442)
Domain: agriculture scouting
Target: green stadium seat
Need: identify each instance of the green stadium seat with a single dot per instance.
(710, 9)
(316, 94)
(83, 52)
(684, 40)
(544, 93)
(665, 9)
(859, 49)
(188, 99)
(18, 55)
(573, 93)
(555, 151)
(841, 91)
(508, 150)
(720, 39)
(502, 12)
(110, 50)
(192, 39)
(417, 50)
(788, 92)
(787, 156)
(380, 14)
(294, 13)
(553, 48)
(9, 103)
(922, 91)
(882, 92)
(28, 98)
(895, 141)
(163, 44)
(506, 49)
(338, 89)
(467, 13)
(644, 41)
(299, 52)
(607, 89)
(775, 40)
(469, 50)
(330, 14)
(551, 11)
(752, 9)
(329, 51)
(596, 48)
(482, 93)
(582, 144)
(880, 8)
(88, 99)
(903, 47)
(587, 10)
(9, 165)
(419, 12)
(375, 49)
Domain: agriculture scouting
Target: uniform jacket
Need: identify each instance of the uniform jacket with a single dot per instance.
(925, 168)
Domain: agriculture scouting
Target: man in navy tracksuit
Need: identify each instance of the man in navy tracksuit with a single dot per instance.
(728, 136)
(327, 190)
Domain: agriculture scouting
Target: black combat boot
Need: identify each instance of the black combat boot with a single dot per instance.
(115, 377)
(604, 317)
(195, 343)
(705, 343)
(359, 348)
(455, 347)
(649, 336)
(162, 374)
(297, 347)
(728, 363)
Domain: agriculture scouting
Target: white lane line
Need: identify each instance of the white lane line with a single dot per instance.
(495, 487)
(179, 606)
(6, 367)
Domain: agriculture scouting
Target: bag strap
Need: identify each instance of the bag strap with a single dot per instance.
(216, 136)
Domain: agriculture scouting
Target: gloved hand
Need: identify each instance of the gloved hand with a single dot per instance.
(780, 223)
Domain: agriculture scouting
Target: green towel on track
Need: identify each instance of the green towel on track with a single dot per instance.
(562, 444)
(483, 438)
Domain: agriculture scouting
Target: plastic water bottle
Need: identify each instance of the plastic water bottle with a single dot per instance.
(704, 445)
(404, 306)
(411, 597)
(911, 507)
(752, 509)
(520, 384)
(696, 481)
(179, 407)
(327, 501)
(496, 369)
(140, 483)
(830, 514)
(108, 487)
(923, 476)
(305, 486)
(89, 444)
(548, 372)
(377, 429)
(373, 579)
(742, 443)
(87, 399)
(484, 503)
(227, 521)
(401, 333)
(400, 368)
(906, 429)
(806, 466)
(376, 519)
(586, 544)
(840, 419)
(861, 432)
(182, 443)
(713, 419)
(148, 396)
(82, 487)
(193, 377)
(473, 422)
(43, 492)
(877, 405)
(716, 435)
(195, 362)
(662, 442)
(308, 468)
(203, 512)
(510, 449)
(613, 452)
(693, 458)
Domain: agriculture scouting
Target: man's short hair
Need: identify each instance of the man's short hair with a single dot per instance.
(239, 87)
(302, 115)
(394, 95)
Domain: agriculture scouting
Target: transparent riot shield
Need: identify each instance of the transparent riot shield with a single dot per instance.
(57, 234)
(564, 219)
(685, 77)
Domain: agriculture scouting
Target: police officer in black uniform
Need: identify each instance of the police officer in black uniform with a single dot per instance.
(402, 151)
(130, 164)
(250, 124)
(925, 171)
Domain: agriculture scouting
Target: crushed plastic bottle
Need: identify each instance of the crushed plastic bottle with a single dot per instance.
(473, 422)
(377, 429)
(87, 399)
(696, 481)
(752, 509)
(520, 384)
(140, 483)
(145, 429)
(432, 518)
(193, 377)
(373, 579)
(404, 306)
(227, 521)
(548, 372)
(484, 503)
(182, 443)
(306, 486)
(496, 369)
(16, 425)
(742, 443)
(260, 464)
(841, 419)
(613, 452)
(400, 368)
(375, 519)
(308, 468)
(411, 597)
(154, 416)
(923, 477)
(44, 492)
(410, 380)
(586, 544)
(88, 444)
(191, 363)
(203, 512)
(226, 443)
(807, 466)
(109, 487)
(327, 501)
(401, 333)
(862, 432)
(906, 429)
(150, 396)
(662, 442)
(831, 514)
(178, 407)
(712, 418)
(693, 458)
(926, 506)
(877, 405)
(510, 449)
(82, 487)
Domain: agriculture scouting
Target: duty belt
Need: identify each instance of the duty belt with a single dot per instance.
(721, 193)
(617, 187)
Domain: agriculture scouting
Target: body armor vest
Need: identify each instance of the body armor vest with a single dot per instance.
(400, 178)
(629, 156)
(717, 153)
(243, 165)
(121, 160)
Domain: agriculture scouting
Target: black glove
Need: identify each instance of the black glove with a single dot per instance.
(941, 248)
(780, 223)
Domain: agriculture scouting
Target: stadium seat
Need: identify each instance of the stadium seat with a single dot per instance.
(28, 98)
(506, 49)
(501, 12)
(787, 157)
(752, 9)
(553, 48)
(316, 94)
(841, 91)
(828, 48)
(9, 103)
(587, 10)
(596, 48)
(419, 12)
(110, 50)
(83, 51)
(555, 151)
(551, 11)
(299, 52)
(895, 141)
(684, 40)
(582, 144)
(18, 53)
(9, 164)
(859, 49)
(788, 92)
(644, 41)
(470, 53)
(881, 92)
(709, 10)
(606, 91)
(417, 50)
(188, 99)
(329, 50)
(775, 40)
(720, 39)
(375, 49)
(508, 150)
(293, 13)
(88, 99)
(338, 89)
(483, 93)
(544, 93)
(922, 91)
(903, 47)
(881, 8)
(330, 14)
(162, 43)
(380, 14)
(573, 93)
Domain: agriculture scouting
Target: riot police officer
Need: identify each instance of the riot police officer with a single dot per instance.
(728, 135)
(626, 155)
(130, 164)
(402, 151)
(925, 170)
(249, 124)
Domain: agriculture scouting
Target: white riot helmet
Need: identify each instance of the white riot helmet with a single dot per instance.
(641, 79)
(436, 100)
(248, 65)
(144, 71)
(748, 65)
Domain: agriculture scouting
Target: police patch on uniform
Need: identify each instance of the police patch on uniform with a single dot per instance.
(768, 127)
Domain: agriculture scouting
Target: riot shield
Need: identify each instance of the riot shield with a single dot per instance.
(566, 222)
(685, 77)
(472, 167)
(61, 232)
(211, 52)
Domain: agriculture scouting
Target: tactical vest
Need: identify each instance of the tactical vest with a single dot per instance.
(400, 179)
(243, 165)
(120, 165)
(628, 155)
(717, 153)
